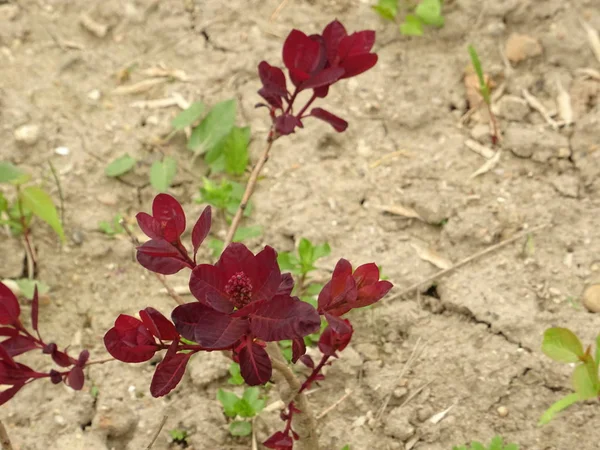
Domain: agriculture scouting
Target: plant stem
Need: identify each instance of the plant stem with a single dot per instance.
(31, 260)
(235, 223)
(4, 439)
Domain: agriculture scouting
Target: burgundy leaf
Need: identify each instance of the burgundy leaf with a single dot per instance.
(159, 325)
(160, 257)
(149, 225)
(366, 274)
(331, 342)
(84, 356)
(5, 356)
(207, 284)
(279, 441)
(9, 306)
(62, 359)
(201, 229)
(373, 293)
(355, 44)
(325, 77)
(237, 258)
(8, 331)
(17, 374)
(302, 53)
(307, 361)
(10, 393)
(298, 76)
(130, 341)
(284, 317)
(355, 65)
(339, 325)
(272, 99)
(286, 124)
(268, 279)
(298, 349)
(336, 122)
(209, 328)
(287, 284)
(76, 378)
(255, 365)
(55, 376)
(35, 304)
(332, 36)
(168, 211)
(273, 79)
(18, 345)
(168, 374)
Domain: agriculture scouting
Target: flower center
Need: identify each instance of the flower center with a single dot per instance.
(239, 289)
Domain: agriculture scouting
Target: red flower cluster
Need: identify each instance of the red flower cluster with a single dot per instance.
(314, 62)
(20, 340)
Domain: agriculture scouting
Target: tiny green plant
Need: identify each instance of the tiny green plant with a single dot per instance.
(241, 409)
(27, 287)
(179, 436)
(113, 227)
(416, 16)
(225, 196)
(303, 261)
(484, 90)
(223, 144)
(161, 175)
(497, 443)
(236, 375)
(562, 345)
(31, 200)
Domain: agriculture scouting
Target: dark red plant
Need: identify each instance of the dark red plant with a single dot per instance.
(19, 341)
(314, 63)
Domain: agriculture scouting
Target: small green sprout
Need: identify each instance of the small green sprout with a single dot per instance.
(497, 443)
(113, 227)
(246, 407)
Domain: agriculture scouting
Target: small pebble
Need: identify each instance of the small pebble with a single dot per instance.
(94, 95)
(77, 237)
(591, 298)
(62, 151)
(27, 134)
(502, 411)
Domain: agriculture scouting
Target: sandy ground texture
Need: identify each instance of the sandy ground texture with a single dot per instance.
(471, 343)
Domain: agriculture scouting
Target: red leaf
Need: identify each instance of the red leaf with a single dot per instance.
(284, 317)
(8, 331)
(366, 274)
(207, 284)
(340, 290)
(286, 124)
(159, 325)
(255, 365)
(201, 229)
(355, 65)
(160, 257)
(17, 374)
(279, 441)
(129, 340)
(332, 36)
(336, 122)
(5, 356)
(168, 374)
(273, 79)
(307, 361)
(62, 359)
(298, 349)
(325, 77)
(35, 305)
(10, 393)
(168, 210)
(287, 284)
(268, 277)
(355, 44)
(76, 378)
(302, 53)
(373, 293)
(234, 259)
(149, 225)
(331, 342)
(9, 306)
(341, 326)
(209, 328)
(18, 345)
(83, 358)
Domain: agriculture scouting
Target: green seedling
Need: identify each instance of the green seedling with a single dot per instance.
(162, 173)
(484, 89)
(30, 201)
(113, 227)
(120, 166)
(425, 13)
(497, 443)
(179, 436)
(27, 287)
(236, 376)
(562, 345)
(94, 392)
(346, 447)
(225, 196)
(241, 409)
(303, 261)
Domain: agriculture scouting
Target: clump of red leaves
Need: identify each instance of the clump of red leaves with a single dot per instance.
(20, 340)
(314, 63)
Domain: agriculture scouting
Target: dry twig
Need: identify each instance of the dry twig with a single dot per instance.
(4, 439)
(155, 437)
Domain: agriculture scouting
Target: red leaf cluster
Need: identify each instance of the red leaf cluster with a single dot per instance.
(314, 62)
(19, 341)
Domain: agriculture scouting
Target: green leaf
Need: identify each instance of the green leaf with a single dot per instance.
(229, 401)
(483, 87)
(40, 203)
(288, 262)
(314, 289)
(235, 150)
(11, 174)
(244, 233)
(214, 127)
(162, 173)
(3, 203)
(511, 447)
(386, 9)
(178, 436)
(320, 251)
(27, 287)
(236, 377)
(120, 166)
(251, 395)
(560, 344)
(240, 428)
(188, 116)
(584, 383)
(497, 443)
(346, 447)
(412, 26)
(430, 12)
(477, 446)
(305, 252)
(462, 447)
(557, 407)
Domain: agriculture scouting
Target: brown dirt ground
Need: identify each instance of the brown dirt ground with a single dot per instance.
(481, 338)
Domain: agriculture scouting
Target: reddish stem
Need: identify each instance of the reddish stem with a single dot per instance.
(312, 99)
(314, 374)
